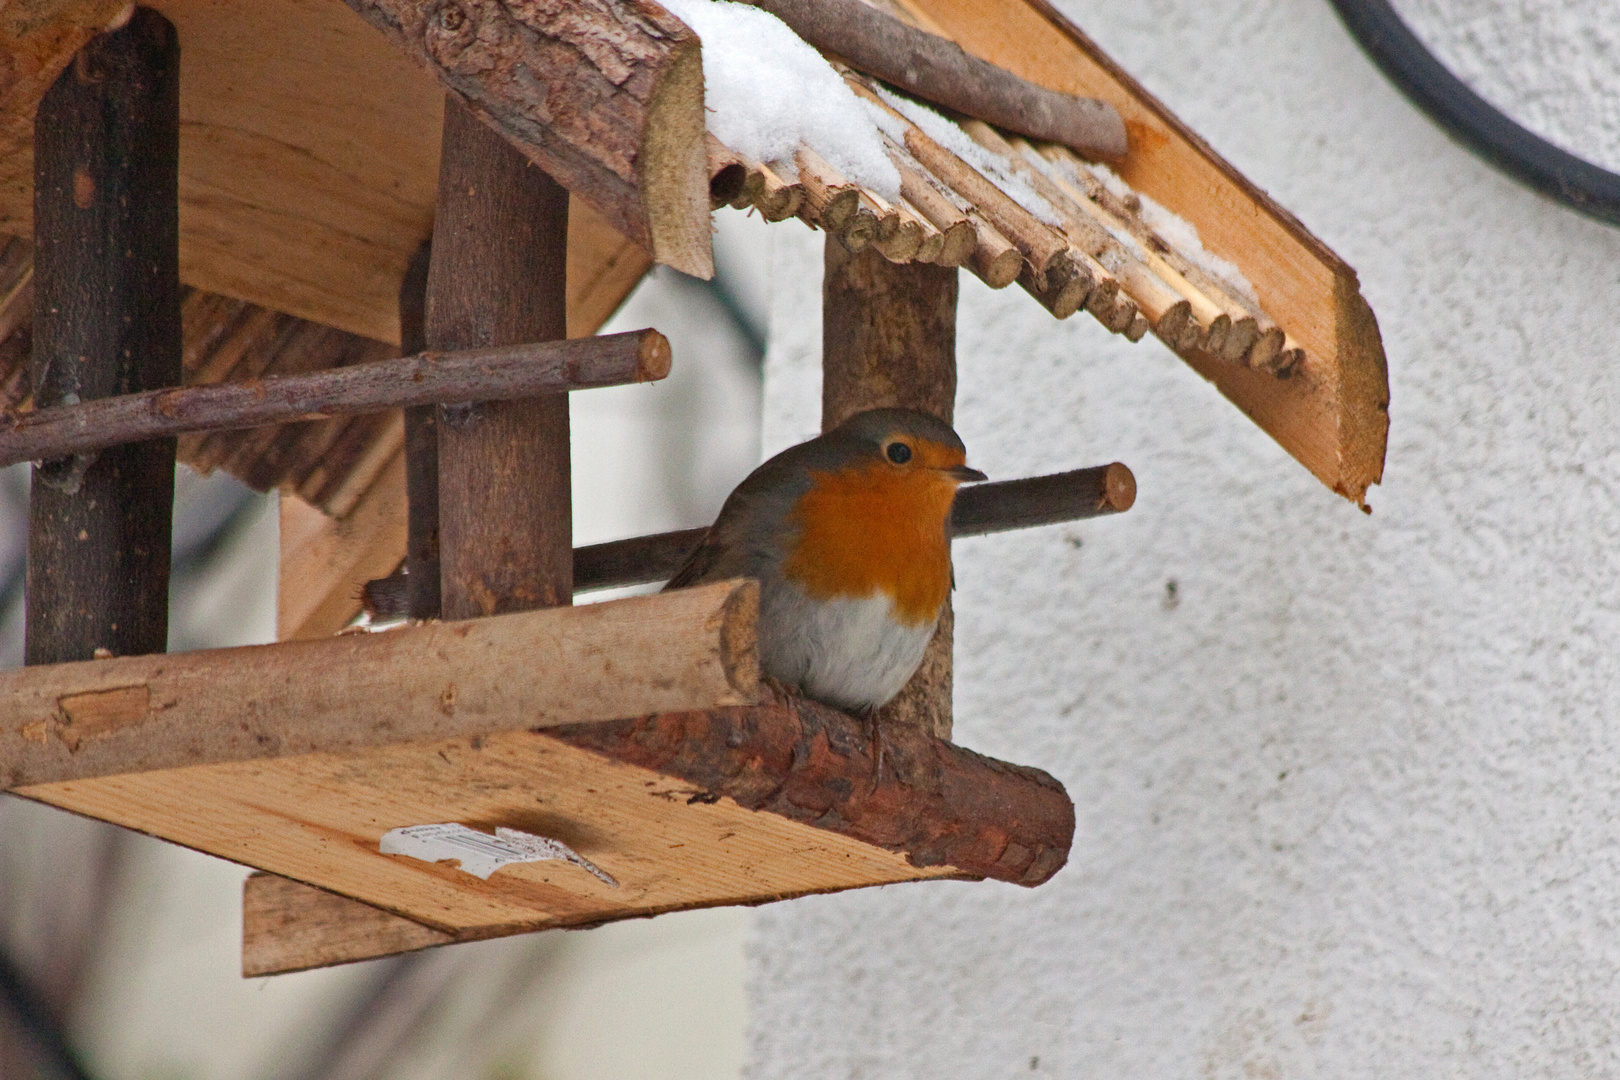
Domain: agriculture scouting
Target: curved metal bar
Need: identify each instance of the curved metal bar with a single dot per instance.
(1472, 120)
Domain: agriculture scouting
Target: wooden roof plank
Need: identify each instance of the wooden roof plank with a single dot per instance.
(1334, 417)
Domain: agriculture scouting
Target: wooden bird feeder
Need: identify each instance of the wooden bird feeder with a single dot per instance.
(219, 219)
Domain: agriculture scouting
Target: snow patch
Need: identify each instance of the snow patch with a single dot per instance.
(766, 91)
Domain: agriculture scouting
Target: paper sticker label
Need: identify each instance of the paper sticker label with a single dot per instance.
(479, 853)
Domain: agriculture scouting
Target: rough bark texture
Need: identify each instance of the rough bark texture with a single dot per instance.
(421, 456)
(689, 649)
(608, 98)
(108, 322)
(889, 338)
(918, 795)
(499, 374)
(497, 278)
(936, 69)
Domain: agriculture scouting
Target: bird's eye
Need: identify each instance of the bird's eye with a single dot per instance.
(898, 452)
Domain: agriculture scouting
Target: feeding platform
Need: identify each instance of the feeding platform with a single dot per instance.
(336, 249)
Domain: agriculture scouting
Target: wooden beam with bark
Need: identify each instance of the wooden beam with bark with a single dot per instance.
(889, 339)
(688, 649)
(493, 374)
(607, 99)
(107, 275)
(936, 69)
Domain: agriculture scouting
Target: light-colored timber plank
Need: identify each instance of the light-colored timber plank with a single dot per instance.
(290, 926)
(1333, 417)
(319, 819)
(325, 561)
(678, 650)
(309, 158)
(37, 40)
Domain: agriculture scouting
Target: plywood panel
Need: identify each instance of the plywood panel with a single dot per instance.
(318, 819)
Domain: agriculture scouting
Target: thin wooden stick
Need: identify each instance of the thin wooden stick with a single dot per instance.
(934, 206)
(1174, 313)
(499, 374)
(829, 199)
(936, 69)
(995, 261)
(932, 242)
(1046, 249)
(900, 236)
(1251, 335)
(980, 510)
(778, 199)
(731, 181)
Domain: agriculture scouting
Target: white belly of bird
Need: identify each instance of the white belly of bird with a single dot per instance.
(851, 652)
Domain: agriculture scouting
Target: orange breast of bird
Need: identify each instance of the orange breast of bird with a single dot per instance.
(872, 528)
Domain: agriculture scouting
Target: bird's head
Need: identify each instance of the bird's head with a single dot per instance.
(905, 441)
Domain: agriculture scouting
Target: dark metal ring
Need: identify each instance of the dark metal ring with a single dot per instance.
(1473, 121)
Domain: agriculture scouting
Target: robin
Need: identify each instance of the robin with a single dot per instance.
(848, 535)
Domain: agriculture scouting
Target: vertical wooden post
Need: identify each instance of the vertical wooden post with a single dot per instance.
(421, 453)
(107, 321)
(497, 278)
(889, 339)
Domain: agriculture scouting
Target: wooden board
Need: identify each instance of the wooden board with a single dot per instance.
(319, 818)
(309, 158)
(290, 926)
(1335, 420)
(326, 561)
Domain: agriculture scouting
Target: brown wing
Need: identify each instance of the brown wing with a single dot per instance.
(750, 536)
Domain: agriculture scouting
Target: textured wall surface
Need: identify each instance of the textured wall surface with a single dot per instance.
(1552, 65)
(1348, 787)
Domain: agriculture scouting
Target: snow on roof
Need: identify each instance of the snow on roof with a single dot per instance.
(767, 93)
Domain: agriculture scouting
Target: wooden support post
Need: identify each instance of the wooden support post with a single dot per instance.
(421, 453)
(106, 214)
(889, 339)
(497, 278)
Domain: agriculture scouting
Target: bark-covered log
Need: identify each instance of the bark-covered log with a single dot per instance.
(106, 213)
(497, 276)
(928, 799)
(607, 98)
(888, 338)
(936, 69)
(421, 453)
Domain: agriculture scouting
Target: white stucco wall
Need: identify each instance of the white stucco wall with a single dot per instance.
(1349, 803)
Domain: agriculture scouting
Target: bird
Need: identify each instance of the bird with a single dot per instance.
(848, 535)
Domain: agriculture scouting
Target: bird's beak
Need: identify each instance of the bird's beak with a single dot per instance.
(964, 475)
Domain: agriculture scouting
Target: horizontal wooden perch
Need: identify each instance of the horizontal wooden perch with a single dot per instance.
(920, 796)
(678, 650)
(981, 509)
(510, 372)
(607, 98)
(936, 69)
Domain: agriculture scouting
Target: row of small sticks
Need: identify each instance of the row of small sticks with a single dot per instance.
(950, 214)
